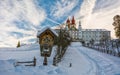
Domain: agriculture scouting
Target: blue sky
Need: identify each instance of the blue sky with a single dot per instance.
(51, 9)
(20, 19)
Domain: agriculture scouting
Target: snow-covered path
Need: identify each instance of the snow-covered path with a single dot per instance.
(105, 65)
(84, 61)
(80, 63)
(87, 61)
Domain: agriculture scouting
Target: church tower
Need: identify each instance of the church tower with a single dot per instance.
(73, 22)
(79, 26)
(79, 31)
(68, 23)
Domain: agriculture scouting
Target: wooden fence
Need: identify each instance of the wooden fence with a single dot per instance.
(26, 63)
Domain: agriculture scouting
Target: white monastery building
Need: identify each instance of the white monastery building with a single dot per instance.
(86, 35)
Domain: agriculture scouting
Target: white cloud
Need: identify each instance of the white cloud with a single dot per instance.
(106, 5)
(93, 14)
(104, 20)
(33, 14)
(63, 7)
(86, 10)
(18, 10)
(99, 14)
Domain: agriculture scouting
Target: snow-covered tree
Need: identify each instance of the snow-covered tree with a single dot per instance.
(63, 41)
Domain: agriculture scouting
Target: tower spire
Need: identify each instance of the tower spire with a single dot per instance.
(73, 20)
(79, 23)
(68, 23)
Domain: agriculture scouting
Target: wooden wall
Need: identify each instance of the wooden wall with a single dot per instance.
(46, 38)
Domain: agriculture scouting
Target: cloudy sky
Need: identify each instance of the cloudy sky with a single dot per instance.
(20, 19)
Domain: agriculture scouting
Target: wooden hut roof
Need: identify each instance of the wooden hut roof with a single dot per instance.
(44, 29)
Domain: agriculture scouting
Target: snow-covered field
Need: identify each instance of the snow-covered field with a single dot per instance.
(84, 61)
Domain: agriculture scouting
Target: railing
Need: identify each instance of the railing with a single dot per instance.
(104, 49)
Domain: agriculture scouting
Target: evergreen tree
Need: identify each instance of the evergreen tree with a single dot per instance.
(116, 25)
(18, 45)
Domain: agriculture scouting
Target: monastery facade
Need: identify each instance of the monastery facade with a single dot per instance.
(87, 35)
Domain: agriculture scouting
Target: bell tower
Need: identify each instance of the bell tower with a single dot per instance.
(79, 26)
(79, 31)
(68, 23)
(73, 22)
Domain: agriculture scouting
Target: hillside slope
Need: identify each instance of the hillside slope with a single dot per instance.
(83, 61)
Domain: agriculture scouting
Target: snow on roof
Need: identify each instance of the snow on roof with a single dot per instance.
(42, 30)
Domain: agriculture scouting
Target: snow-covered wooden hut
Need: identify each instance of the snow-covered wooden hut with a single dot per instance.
(47, 37)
